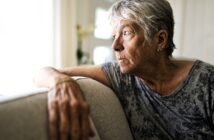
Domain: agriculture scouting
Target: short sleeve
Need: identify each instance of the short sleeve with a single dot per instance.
(113, 74)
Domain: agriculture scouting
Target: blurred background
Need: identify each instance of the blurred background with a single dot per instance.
(64, 33)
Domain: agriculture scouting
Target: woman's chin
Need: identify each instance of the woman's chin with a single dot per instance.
(124, 69)
(125, 66)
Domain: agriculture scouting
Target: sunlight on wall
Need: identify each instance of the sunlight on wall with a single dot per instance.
(26, 31)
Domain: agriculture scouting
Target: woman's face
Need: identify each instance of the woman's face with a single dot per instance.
(132, 51)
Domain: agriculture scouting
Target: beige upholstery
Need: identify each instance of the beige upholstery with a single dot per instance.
(25, 118)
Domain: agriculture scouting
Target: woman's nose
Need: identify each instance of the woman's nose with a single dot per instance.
(117, 44)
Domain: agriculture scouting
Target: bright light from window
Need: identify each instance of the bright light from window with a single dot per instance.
(102, 54)
(102, 30)
(26, 31)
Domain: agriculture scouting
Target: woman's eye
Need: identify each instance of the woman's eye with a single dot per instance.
(127, 34)
(113, 37)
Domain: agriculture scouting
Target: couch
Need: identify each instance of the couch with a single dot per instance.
(25, 118)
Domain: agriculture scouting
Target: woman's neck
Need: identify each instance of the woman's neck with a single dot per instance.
(164, 76)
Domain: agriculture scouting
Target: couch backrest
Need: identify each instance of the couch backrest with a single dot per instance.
(106, 111)
(25, 118)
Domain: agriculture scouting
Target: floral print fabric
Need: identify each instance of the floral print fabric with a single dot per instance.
(186, 114)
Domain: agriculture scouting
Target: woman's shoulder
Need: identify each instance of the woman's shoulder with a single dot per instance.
(191, 69)
(204, 67)
(201, 70)
(194, 64)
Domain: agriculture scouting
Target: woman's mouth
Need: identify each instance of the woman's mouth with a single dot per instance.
(122, 61)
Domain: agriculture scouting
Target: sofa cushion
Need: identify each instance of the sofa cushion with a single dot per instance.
(106, 111)
(25, 118)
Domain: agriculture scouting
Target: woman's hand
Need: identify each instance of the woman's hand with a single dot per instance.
(68, 112)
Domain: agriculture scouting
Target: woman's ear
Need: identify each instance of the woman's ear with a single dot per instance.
(162, 39)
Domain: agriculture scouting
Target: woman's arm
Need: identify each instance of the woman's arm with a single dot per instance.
(49, 76)
(67, 107)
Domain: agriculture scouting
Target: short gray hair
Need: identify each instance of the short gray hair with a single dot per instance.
(151, 15)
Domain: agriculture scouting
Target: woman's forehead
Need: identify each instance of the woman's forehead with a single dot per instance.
(117, 25)
(120, 23)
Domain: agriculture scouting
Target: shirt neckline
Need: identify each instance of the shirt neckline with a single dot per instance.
(180, 86)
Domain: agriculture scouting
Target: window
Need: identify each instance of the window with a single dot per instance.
(102, 54)
(103, 29)
(26, 42)
(102, 51)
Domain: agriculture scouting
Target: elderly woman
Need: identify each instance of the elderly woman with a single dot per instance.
(163, 98)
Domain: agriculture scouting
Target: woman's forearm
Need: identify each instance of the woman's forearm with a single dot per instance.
(48, 77)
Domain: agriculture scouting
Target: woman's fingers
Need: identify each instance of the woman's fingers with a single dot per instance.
(91, 131)
(85, 126)
(79, 114)
(64, 117)
(68, 113)
(53, 117)
(80, 109)
(75, 122)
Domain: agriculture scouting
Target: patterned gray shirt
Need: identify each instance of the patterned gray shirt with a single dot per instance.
(186, 114)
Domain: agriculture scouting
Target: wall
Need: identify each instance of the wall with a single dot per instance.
(65, 39)
(194, 31)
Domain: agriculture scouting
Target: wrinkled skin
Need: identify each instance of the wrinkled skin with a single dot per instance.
(65, 103)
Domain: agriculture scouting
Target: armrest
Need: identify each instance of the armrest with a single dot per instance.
(25, 118)
(106, 111)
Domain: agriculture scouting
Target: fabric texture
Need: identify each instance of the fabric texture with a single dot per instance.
(106, 111)
(186, 114)
(25, 117)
